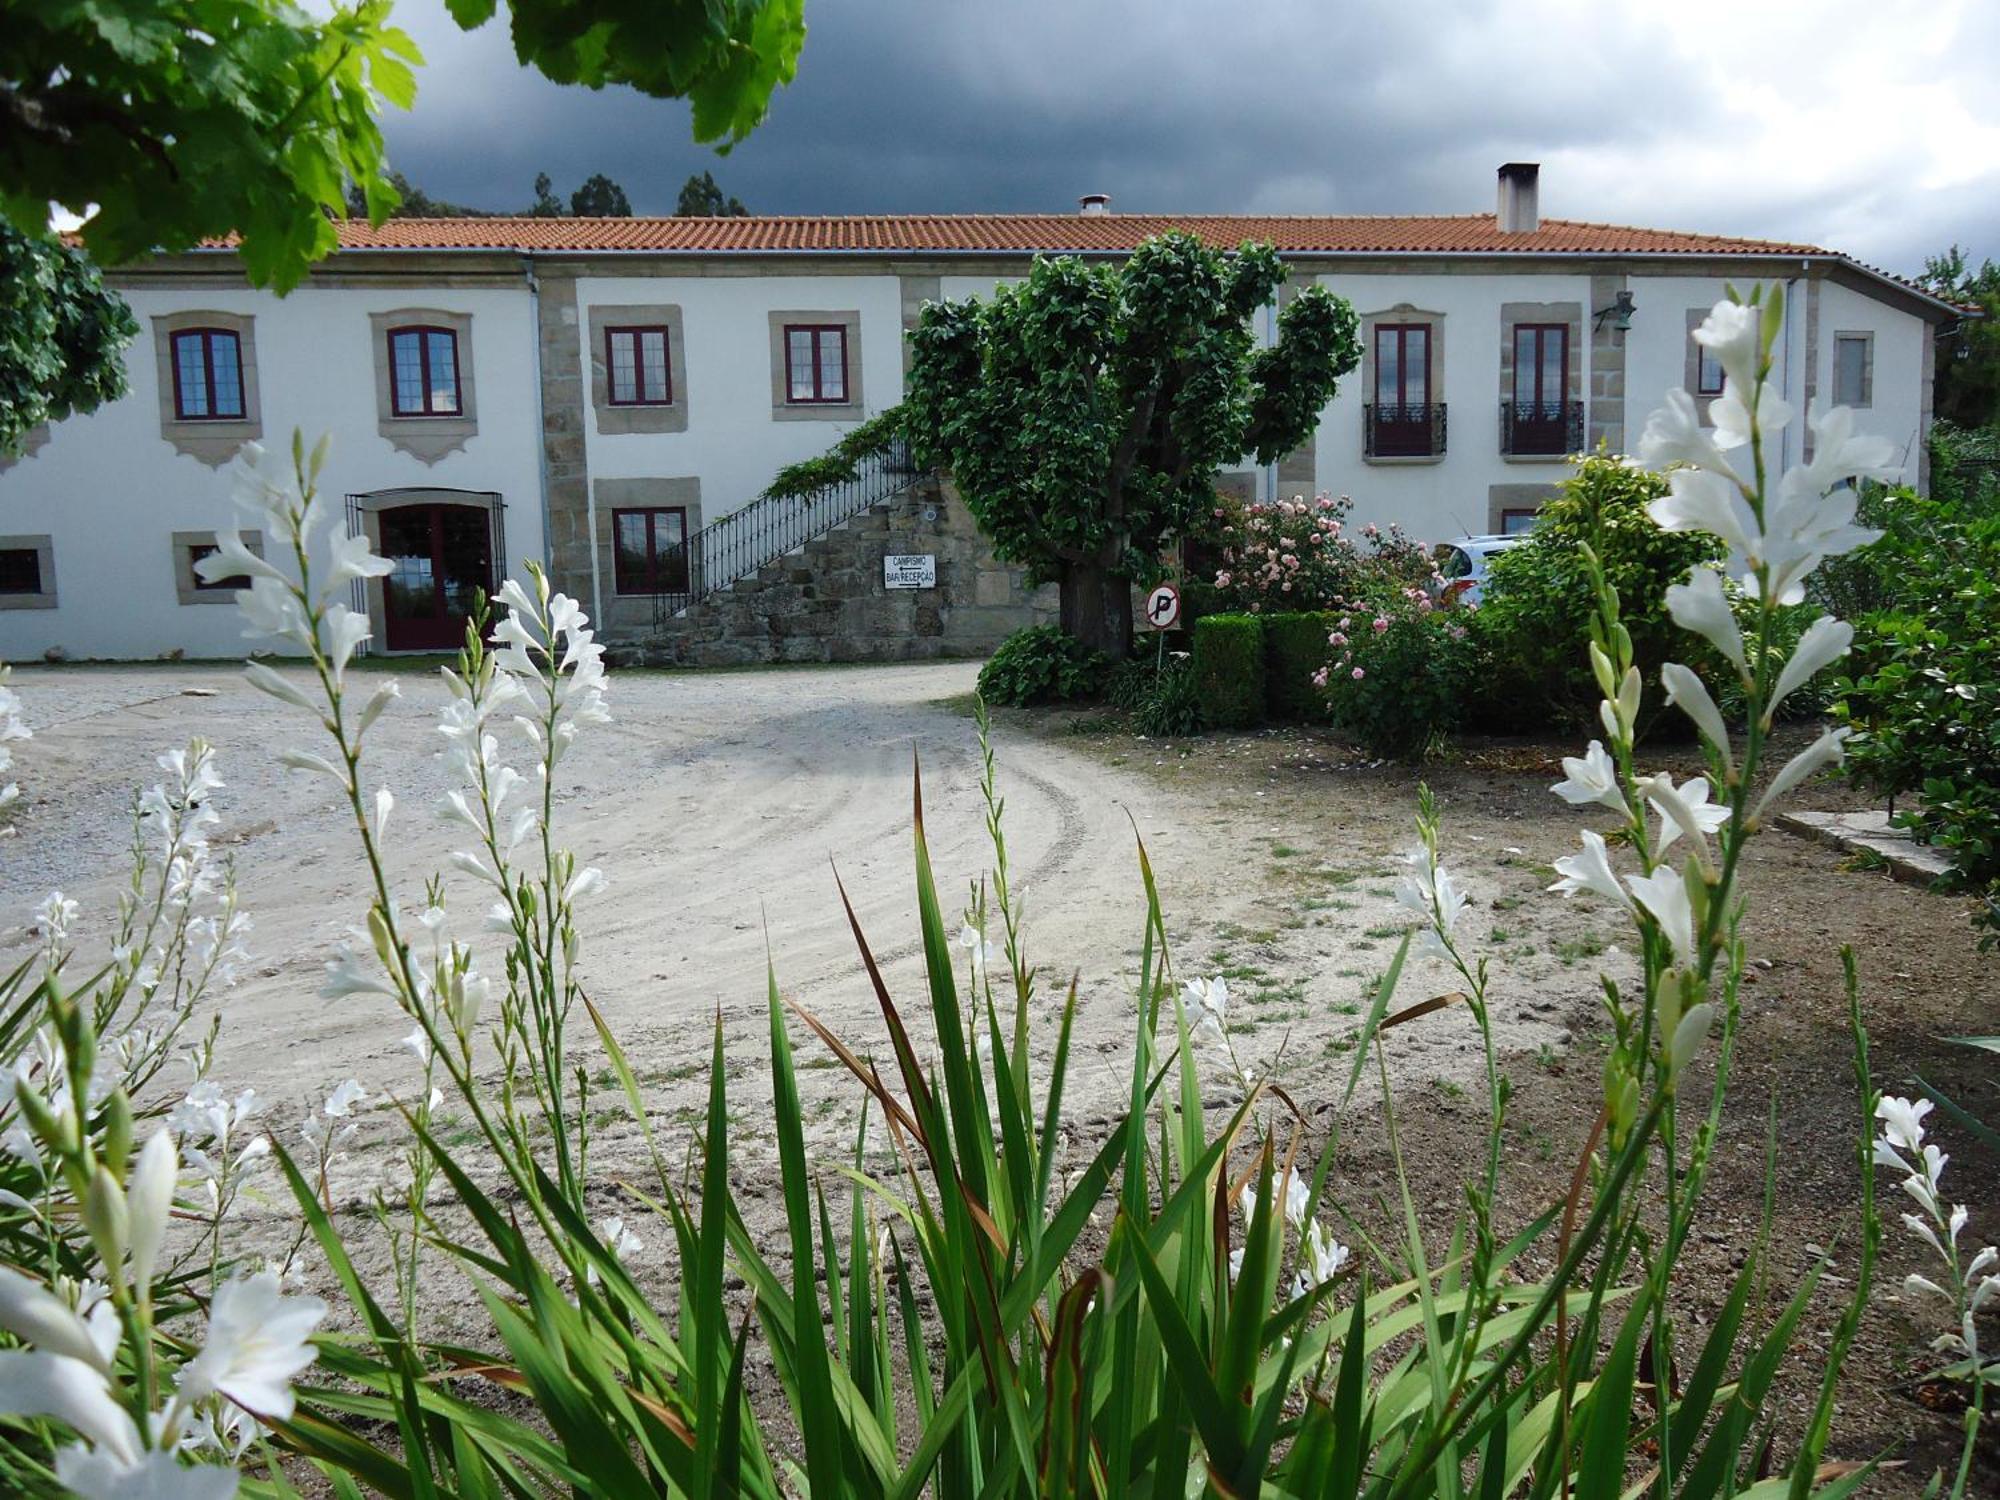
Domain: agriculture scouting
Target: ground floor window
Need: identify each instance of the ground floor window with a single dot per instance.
(1517, 522)
(20, 570)
(197, 551)
(649, 550)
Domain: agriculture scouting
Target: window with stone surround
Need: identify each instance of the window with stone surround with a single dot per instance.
(636, 353)
(423, 372)
(206, 363)
(426, 401)
(1853, 369)
(1708, 372)
(189, 548)
(27, 572)
(816, 366)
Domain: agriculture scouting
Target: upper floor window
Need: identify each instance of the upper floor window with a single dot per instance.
(816, 364)
(636, 361)
(208, 375)
(1853, 368)
(1707, 372)
(1403, 365)
(649, 550)
(423, 372)
(1403, 421)
(1541, 366)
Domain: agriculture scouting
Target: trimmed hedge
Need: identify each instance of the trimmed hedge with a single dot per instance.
(1295, 647)
(1229, 670)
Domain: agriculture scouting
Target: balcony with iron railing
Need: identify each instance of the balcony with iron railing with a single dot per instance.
(1541, 429)
(1403, 430)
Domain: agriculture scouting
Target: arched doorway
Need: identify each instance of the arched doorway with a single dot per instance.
(441, 546)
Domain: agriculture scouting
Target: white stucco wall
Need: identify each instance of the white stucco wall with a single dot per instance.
(732, 440)
(109, 489)
(1893, 412)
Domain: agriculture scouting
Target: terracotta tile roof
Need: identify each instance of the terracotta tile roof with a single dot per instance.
(1024, 233)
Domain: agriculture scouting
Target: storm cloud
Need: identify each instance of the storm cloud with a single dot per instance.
(1865, 127)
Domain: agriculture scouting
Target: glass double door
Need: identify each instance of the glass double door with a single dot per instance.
(439, 556)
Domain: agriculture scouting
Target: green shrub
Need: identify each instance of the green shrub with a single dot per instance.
(1925, 695)
(1533, 623)
(1229, 670)
(1399, 679)
(1168, 706)
(1042, 665)
(1295, 649)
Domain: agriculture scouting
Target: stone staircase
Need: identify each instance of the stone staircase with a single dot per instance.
(825, 601)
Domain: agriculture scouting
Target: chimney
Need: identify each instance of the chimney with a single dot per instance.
(1094, 205)
(1520, 208)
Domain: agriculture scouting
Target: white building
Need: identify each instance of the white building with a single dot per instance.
(598, 391)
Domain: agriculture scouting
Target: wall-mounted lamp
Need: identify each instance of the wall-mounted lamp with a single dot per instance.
(1619, 312)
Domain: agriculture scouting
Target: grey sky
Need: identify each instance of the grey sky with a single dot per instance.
(1868, 126)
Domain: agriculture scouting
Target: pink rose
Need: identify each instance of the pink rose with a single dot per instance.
(1381, 624)
(1319, 678)
(1359, 674)
(1336, 639)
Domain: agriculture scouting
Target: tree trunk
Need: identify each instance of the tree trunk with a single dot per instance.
(1097, 609)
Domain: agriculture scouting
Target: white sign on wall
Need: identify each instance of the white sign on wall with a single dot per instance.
(916, 570)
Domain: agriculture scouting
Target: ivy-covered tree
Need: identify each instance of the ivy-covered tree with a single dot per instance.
(600, 198)
(702, 198)
(1084, 413)
(61, 333)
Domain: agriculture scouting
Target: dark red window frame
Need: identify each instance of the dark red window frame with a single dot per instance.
(622, 581)
(642, 392)
(1542, 332)
(1708, 375)
(1403, 335)
(819, 397)
(207, 338)
(424, 333)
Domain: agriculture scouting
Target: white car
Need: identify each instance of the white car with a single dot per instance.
(1463, 563)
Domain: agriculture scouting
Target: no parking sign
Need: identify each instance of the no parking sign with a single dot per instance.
(1163, 607)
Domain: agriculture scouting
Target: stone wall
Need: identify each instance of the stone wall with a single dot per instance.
(826, 601)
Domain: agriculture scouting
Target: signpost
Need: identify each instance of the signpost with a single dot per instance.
(916, 570)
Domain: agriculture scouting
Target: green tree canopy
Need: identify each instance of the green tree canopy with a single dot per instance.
(412, 202)
(702, 198)
(1085, 412)
(178, 120)
(1968, 364)
(600, 198)
(61, 333)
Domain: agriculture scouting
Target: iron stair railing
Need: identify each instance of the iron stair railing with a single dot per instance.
(767, 528)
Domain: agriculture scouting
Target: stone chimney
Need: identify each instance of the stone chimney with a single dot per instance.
(1520, 194)
(1094, 205)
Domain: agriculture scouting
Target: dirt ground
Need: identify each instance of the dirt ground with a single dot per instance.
(721, 805)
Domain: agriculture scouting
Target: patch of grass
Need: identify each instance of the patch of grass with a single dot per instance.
(1574, 950)
(1389, 931)
(1449, 1088)
(1284, 851)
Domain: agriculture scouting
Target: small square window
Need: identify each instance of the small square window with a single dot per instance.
(1517, 522)
(200, 550)
(20, 570)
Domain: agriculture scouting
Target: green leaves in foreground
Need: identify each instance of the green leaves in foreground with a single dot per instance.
(1001, 1309)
